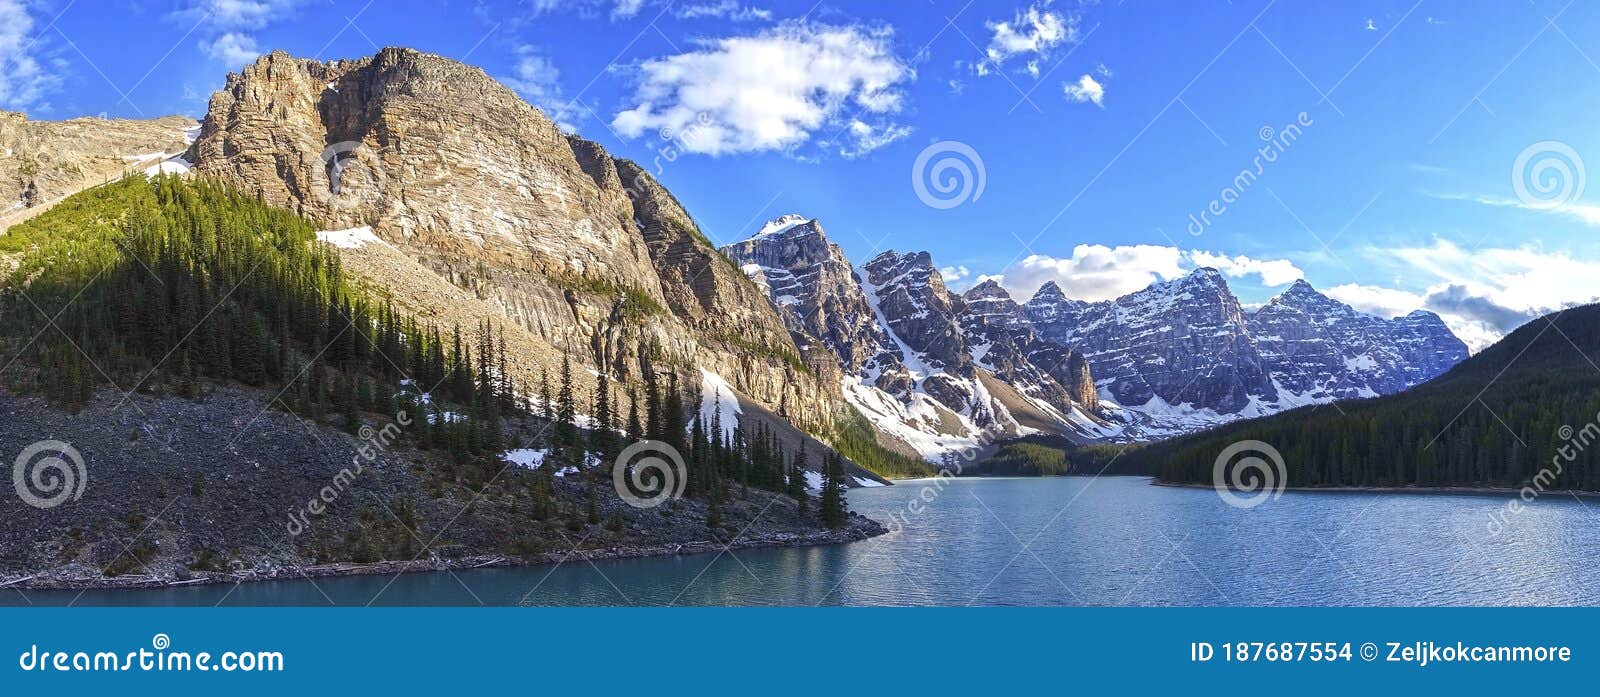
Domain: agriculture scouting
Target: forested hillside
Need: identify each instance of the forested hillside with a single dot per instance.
(1516, 410)
(165, 309)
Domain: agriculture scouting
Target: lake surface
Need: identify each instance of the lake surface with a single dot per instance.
(1054, 541)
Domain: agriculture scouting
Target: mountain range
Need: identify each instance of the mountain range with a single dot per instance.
(939, 370)
(464, 204)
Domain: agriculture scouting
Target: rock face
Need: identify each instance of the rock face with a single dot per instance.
(1182, 341)
(1182, 355)
(932, 371)
(815, 289)
(1319, 348)
(585, 252)
(45, 161)
(1003, 341)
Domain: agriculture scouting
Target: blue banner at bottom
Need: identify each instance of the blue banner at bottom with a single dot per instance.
(795, 651)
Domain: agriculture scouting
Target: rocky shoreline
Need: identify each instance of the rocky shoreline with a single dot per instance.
(860, 528)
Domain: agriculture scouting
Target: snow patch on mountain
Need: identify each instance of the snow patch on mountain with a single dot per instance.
(353, 238)
(719, 404)
(780, 225)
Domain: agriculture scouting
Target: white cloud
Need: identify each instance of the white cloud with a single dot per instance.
(1031, 33)
(233, 49)
(620, 9)
(538, 81)
(865, 138)
(238, 14)
(1581, 212)
(626, 8)
(726, 9)
(955, 273)
(773, 91)
(1096, 272)
(1480, 294)
(226, 25)
(1524, 278)
(1376, 300)
(1086, 89)
(1273, 272)
(24, 80)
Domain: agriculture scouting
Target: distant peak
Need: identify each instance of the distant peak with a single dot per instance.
(1049, 292)
(989, 288)
(782, 224)
(1300, 289)
(1301, 294)
(1204, 276)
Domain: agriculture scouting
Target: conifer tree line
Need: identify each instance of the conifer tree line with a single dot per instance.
(173, 284)
(719, 462)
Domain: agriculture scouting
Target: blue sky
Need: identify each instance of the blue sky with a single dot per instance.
(1101, 127)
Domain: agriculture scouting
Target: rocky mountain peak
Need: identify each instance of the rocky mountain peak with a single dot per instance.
(814, 287)
(586, 252)
(1301, 296)
(989, 289)
(989, 302)
(1049, 293)
(786, 223)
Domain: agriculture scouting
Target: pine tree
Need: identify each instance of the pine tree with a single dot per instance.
(635, 428)
(602, 438)
(565, 442)
(834, 509)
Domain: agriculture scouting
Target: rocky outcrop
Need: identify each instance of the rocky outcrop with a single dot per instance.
(584, 251)
(813, 285)
(46, 161)
(1003, 340)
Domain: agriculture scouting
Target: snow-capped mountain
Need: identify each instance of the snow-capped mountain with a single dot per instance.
(1181, 341)
(939, 371)
(1320, 348)
(1182, 354)
(899, 337)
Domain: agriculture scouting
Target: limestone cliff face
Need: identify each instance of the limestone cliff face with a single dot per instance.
(42, 162)
(586, 252)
